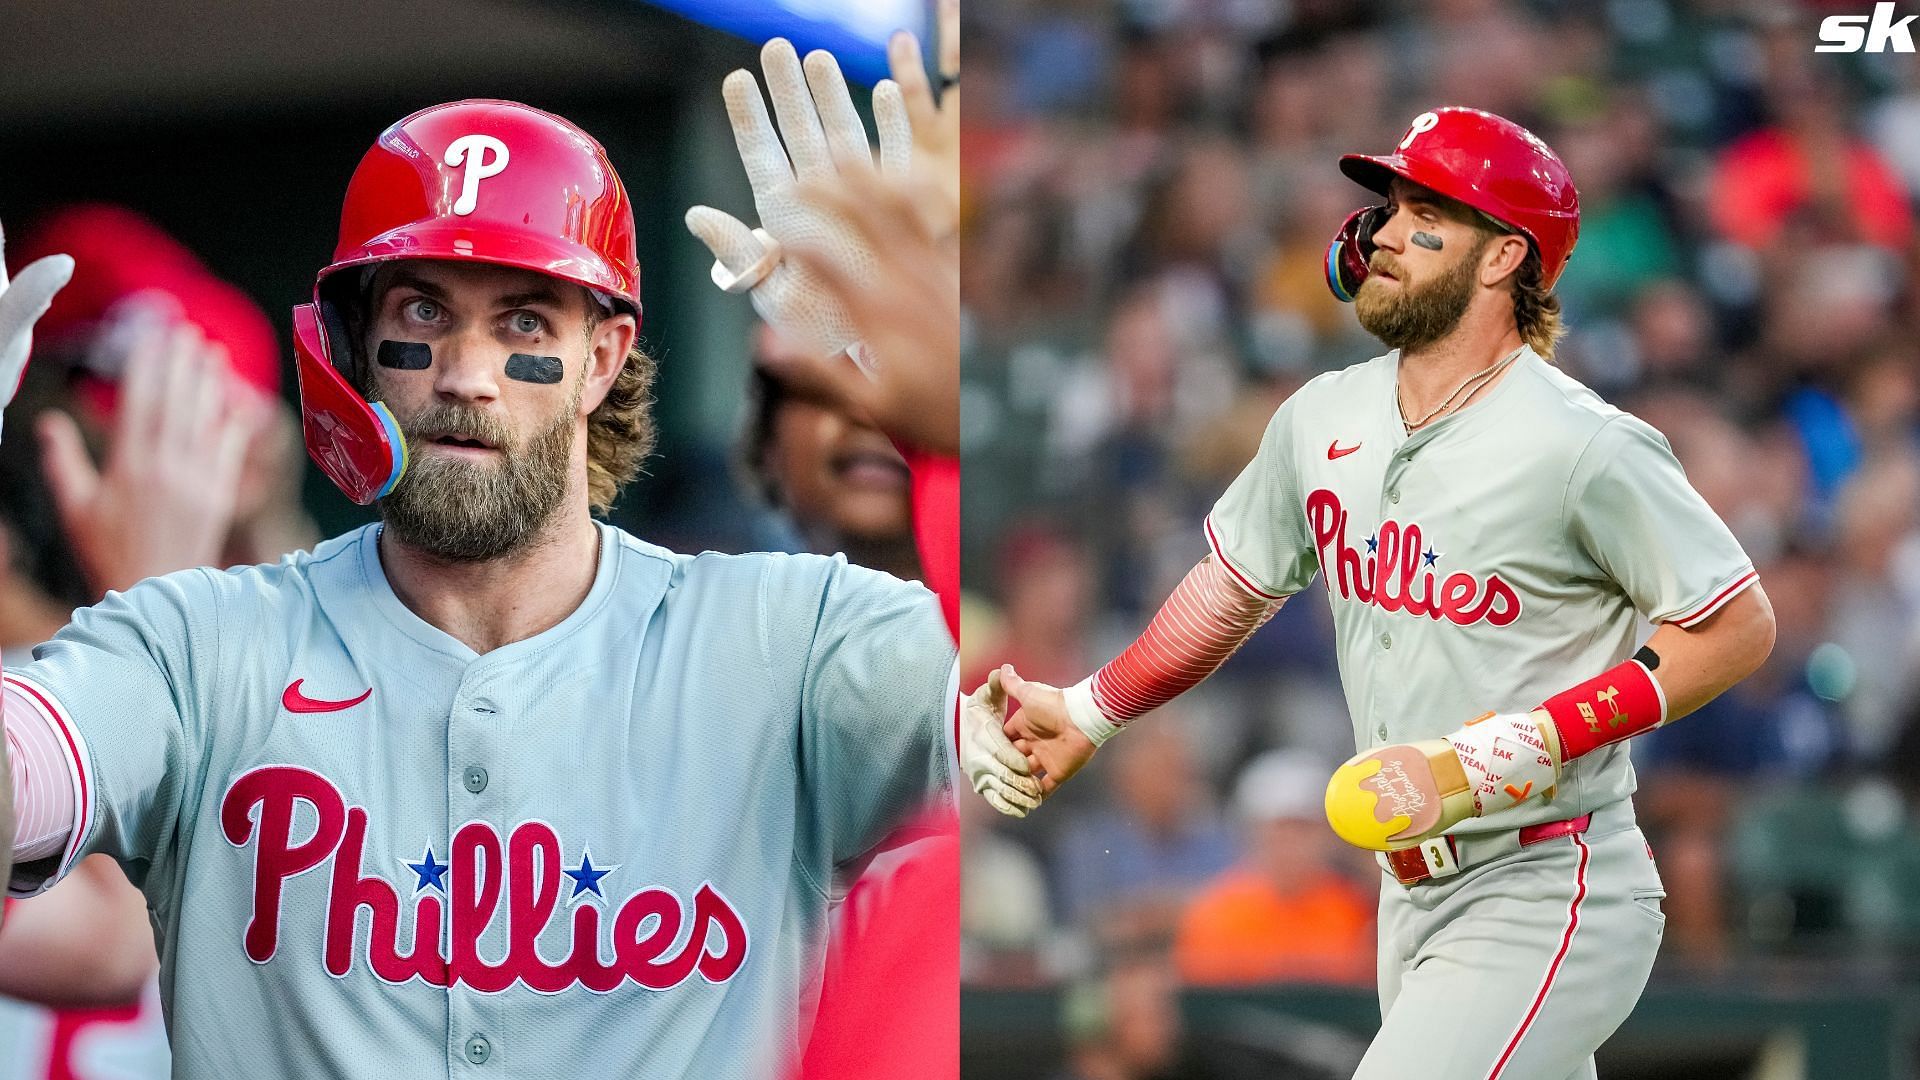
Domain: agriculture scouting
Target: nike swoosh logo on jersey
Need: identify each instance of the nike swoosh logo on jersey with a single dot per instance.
(1334, 453)
(295, 701)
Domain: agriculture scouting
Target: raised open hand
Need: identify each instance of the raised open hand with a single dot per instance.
(823, 137)
(164, 498)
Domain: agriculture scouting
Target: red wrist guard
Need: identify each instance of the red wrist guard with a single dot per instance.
(1616, 705)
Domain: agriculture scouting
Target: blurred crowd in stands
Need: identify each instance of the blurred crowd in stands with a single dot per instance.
(1151, 185)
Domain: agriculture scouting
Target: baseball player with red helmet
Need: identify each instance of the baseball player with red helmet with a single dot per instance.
(488, 787)
(1493, 537)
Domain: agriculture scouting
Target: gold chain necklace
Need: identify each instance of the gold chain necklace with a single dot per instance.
(1476, 381)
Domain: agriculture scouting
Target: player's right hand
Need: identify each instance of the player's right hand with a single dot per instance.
(1043, 730)
(22, 302)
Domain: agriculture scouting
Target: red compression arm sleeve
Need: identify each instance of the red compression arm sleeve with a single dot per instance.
(1208, 616)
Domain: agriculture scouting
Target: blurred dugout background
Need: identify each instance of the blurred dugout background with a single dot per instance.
(1151, 186)
(234, 126)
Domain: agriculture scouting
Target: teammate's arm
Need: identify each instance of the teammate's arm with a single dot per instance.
(87, 942)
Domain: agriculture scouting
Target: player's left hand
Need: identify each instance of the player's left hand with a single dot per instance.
(22, 301)
(997, 771)
(823, 137)
(1396, 796)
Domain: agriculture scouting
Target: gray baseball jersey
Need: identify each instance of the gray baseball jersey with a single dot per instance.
(606, 849)
(1486, 562)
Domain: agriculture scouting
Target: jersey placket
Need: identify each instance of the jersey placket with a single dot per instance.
(475, 729)
(1386, 502)
(1394, 653)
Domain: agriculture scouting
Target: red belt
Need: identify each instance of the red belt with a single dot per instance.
(1440, 857)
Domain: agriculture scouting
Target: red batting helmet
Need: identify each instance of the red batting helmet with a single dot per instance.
(1485, 161)
(479, 181)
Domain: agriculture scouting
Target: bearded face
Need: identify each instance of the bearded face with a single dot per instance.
(482, 505)
(1409, 315)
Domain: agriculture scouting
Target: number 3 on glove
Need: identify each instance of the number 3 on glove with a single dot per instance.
(1396, 796)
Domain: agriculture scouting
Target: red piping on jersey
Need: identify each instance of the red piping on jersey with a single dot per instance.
(1553, 969)
(1713, 605)
(80, 770)
(1213, 541)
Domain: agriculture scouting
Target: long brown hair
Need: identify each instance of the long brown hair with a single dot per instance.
(620, 431)
(1536, 309)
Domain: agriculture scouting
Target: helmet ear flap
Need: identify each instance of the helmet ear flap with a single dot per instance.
(340, 343)
(355, 442)
(1351, 251)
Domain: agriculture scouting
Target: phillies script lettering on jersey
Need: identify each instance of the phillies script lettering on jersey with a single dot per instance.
(1391, 575)
(260, 808)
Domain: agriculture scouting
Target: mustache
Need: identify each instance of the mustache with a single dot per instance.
(1383, 263)
(446, 421)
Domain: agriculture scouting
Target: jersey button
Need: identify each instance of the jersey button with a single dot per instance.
(479, 1049)
(1382, 732)
(475, 778)
(1386, 641)
(1394, 496)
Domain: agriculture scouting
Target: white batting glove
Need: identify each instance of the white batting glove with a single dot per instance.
(996, 769)
(22, 302)
(823, 134)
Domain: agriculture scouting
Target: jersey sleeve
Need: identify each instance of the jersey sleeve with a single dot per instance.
(875, 710)
(1258, 528)
(124, 686)
(1631, 509)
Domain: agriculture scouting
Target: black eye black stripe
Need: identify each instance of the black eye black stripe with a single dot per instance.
(533, 369)
(405, 355)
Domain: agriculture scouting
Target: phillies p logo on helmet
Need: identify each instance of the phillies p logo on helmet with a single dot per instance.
(470, 152)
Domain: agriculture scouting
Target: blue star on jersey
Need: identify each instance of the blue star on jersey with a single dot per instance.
(1431, 556)
(429, 872)
(1373, 544)
(587, 877)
